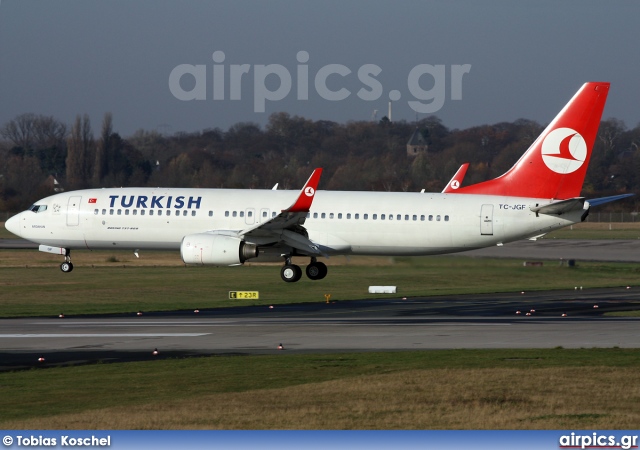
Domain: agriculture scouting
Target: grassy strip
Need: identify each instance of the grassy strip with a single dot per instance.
(129, 286)
(589, 230)
(504, 388)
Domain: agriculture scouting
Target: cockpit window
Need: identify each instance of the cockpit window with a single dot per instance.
(37, 208)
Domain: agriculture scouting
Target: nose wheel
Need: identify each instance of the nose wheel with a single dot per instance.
(67, 266)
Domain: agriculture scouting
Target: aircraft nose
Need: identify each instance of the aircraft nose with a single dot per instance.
(13, 225)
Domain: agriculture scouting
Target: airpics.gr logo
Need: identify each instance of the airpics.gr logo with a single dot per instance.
(564, 150)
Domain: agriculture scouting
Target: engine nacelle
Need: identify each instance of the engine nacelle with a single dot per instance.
(216, 249)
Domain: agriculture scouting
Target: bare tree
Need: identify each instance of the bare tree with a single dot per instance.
(103, 148)
(20, 130)
(79, 152)
(30, 131)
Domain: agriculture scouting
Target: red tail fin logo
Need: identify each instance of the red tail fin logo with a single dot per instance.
(555, 165)
(564, 150)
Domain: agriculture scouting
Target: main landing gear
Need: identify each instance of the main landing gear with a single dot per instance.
(292, 273)
(67, 266)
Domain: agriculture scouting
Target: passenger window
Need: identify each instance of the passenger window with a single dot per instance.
(185, 212)
(95, 211)
(399, 217)
(406, 217)
(422, 217)
(323, 215)
(159, 212)
(365, 216)
(226, 213)
(264, 214)
(348, 215)
(390, 216)
(104, 211)
(438, 218)
(381, 216)
(210, 213)
(135, 212)
(415, 217)
(446, 218)
(178, 213)
(249, 213)
(119, 212)
(273, 214)
(315, 215)
(375, 217)
(430, 217)
(241, 213)
(151, 212)
(235, 214)
(111, 212)
(193, 213)
(339, 215)
(142, 212)
(126, 212)
(330, 215)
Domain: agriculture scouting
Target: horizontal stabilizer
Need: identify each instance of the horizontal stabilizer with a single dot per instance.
(561, 207)
(603, 200)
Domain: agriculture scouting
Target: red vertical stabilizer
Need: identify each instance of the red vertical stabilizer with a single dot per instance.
(555, 165)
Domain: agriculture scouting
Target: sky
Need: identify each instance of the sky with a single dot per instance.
(185, 66)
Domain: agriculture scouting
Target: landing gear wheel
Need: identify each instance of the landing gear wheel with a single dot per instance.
(66, 267)
(316, 271)
(291, 273)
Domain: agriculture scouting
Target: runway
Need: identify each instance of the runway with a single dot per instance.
(448, 322)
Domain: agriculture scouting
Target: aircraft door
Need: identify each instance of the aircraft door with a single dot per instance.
(73, 211)
(486, 220)
(249, 216)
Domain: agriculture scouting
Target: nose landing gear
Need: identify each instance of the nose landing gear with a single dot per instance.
(67, 266)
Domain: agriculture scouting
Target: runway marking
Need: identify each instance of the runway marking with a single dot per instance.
(63, 335)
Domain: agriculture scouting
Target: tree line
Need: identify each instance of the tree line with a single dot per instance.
(38, 149)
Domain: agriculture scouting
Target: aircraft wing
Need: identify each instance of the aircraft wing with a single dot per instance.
(288, 226)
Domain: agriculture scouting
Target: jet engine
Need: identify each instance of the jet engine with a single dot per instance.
(216, 249)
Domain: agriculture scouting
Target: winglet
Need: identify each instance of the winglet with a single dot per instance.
(307, 193)
(456, 181)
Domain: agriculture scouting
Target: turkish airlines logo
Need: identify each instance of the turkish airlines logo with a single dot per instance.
(455, 184)
(564, 150)
(309, 191)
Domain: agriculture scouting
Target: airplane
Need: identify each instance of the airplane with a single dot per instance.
(226, 227)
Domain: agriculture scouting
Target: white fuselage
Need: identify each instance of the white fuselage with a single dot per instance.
(365, 223)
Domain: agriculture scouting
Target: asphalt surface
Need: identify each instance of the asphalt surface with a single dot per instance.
(469, 321)
(612, 250)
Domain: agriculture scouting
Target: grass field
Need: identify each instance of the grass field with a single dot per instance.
(478, 389)
(109, 282)
(592, 230)
(453, 389)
